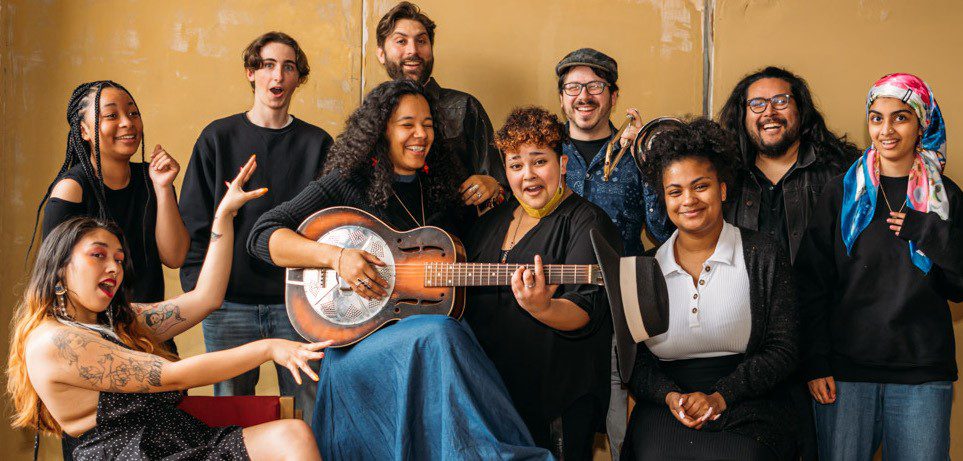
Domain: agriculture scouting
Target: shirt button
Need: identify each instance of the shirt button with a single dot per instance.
(695, 310)
(702, 282)
(587, 175)
(749, 203)
(708, 268)
(695, 295)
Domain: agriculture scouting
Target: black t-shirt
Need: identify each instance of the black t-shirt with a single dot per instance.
(589, 149)
(544, 369)
(287, 160)
(134, 209)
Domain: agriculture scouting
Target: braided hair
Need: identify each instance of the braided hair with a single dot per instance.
(79, 151)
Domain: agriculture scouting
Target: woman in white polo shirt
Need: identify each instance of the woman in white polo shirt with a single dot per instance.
(709, 388)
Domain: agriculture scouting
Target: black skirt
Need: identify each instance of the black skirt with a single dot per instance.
(653, 432)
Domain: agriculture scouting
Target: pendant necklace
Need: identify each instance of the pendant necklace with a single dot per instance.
(421, 195)
(883, 190)
(511, 244)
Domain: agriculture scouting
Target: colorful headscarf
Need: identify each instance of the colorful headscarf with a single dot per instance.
(924, 191)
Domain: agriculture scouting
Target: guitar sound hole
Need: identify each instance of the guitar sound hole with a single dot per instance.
(418, 302)
(442, 295)
(397, 310)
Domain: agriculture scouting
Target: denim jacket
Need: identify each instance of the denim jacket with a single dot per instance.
(629, 201)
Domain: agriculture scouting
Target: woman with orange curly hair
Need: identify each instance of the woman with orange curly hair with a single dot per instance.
(549, 342)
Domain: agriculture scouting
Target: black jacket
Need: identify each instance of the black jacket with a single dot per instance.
(802, 186)
(754, 392)
(467, 131)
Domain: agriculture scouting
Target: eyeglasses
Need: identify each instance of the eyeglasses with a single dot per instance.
(779, 102)
(575, 88)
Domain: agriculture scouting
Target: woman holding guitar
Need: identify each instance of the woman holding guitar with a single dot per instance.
(422, 388)
(549, 342)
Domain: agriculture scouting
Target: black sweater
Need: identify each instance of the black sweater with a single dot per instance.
(333, 189)
(754, 392)
(873, 316)
(287, 160)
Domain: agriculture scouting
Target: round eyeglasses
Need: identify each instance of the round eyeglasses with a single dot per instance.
(575, 88)
(779, 102)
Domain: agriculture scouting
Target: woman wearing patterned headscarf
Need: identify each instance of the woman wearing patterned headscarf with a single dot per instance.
(881, 258)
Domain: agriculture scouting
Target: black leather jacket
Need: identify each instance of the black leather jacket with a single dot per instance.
(801, 188)
(467, 131)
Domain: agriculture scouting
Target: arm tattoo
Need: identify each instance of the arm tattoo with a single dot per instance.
(107, 366)
(215, 236)
(160, 317)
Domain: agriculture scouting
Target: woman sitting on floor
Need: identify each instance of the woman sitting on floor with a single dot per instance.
(709, 388)
(421, 388)
(85, 361)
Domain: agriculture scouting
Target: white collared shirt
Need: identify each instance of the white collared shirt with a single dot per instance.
(710, 318)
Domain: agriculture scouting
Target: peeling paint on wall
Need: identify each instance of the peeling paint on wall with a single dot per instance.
(676, 26)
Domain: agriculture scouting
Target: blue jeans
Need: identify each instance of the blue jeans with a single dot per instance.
(912, 421)
(236, 324)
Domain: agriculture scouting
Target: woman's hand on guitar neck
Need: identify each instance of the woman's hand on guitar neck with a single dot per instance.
(531, 290)
(356, 268)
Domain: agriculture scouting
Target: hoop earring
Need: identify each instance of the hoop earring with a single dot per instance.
(60, 308)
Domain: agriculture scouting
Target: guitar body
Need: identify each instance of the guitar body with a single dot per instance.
(323, 307)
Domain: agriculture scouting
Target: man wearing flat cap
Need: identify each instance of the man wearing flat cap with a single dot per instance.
(588, 91)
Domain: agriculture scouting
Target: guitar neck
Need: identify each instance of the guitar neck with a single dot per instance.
(485, 274)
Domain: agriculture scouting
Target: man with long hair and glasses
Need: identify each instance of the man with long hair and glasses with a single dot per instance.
(406, 39)
(788, 155)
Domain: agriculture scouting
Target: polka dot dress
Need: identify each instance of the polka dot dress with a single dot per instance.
(134, 426)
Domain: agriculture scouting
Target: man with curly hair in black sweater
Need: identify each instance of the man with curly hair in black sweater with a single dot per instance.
(290, 153)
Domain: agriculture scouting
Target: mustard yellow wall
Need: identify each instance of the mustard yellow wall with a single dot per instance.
(181, 60)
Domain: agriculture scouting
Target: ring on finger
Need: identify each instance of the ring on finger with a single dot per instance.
(530, 286)
(478, 194)
(473, 187)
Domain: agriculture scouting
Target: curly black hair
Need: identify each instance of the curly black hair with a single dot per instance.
(829, 148)
(361, 151)
(702, 139)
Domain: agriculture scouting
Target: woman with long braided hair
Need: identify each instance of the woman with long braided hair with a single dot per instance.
(98, 180)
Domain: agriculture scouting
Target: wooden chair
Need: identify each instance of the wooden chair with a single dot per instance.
(244, 411)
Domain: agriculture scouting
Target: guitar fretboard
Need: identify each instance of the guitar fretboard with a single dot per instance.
(486, 274)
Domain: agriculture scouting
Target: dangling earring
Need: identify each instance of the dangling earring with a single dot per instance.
(110, 316)
(61, 303)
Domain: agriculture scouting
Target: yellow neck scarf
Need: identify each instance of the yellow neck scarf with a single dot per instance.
(549, 207)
